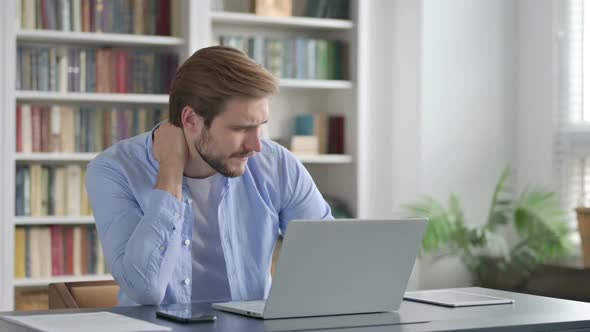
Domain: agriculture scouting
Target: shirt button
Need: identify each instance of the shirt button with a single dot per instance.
(187, 242)
(187, 281)
(162, 248)
(176, 214)
(189, 201)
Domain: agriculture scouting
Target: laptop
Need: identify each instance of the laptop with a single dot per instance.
(346, 266)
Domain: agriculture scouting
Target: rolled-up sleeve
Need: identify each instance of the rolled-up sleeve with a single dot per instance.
(140, 246)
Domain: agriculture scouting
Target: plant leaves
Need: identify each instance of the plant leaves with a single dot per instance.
(501, 203)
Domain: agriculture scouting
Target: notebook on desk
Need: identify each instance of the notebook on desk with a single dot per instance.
(339, 267)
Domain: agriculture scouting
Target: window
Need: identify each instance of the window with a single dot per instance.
(572, 140)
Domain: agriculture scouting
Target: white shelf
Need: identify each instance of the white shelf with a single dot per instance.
(28, 282)
(55, 156)
(53, 36)
(67, 157)
(315, 84)
(82, 97)
(325, 159)
(291, 22)
(53, 220)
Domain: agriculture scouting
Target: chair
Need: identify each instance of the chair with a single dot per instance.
(89, 294)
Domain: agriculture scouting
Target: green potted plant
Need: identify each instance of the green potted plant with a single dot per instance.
(534, 216)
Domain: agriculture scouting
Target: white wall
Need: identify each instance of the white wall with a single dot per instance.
(534, 160)
(472, 84)
(7, 42)
(376, 46)
(405, 129)
(449, 124)
(467, 108)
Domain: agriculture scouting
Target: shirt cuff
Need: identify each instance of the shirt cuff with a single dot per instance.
(165, 211)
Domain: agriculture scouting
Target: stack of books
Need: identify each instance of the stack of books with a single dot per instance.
(318, 133)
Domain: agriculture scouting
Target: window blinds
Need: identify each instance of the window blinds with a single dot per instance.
(572, 137)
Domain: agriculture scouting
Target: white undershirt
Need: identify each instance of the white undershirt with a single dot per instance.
(208, 264)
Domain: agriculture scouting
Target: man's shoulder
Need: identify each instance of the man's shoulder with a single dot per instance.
(128, 152)
(273, 160)
(272, 152)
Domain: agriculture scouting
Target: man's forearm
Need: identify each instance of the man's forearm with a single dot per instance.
(170, 179)
(140, 243)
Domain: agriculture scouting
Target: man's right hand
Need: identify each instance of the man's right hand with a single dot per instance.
(171, 151)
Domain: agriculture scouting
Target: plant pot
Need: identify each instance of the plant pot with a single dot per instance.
(497, 277)
(583, 214)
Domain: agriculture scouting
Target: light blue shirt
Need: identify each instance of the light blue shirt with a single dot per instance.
(144, 231)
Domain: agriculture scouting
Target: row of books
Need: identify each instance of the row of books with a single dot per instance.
(61, 128)
(299, 57)
(144, 17)
(74, 69)
(318, 133)
(337, 9)
(43, 190)
(56, 250)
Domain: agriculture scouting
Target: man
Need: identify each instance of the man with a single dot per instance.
(191, 210)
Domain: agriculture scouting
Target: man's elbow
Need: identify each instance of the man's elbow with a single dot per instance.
(144, 291)
(150, 295)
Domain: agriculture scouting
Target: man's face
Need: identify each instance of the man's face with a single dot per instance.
(234, 135)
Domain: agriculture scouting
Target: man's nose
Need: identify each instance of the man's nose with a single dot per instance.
(253, 142)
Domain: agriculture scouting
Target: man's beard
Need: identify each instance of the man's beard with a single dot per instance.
(218, 163)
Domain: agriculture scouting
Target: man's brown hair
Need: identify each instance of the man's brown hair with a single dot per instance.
(213, 75)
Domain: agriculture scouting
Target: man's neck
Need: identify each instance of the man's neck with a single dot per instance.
(197, 168)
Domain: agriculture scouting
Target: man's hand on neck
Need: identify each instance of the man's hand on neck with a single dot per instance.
(171, 151)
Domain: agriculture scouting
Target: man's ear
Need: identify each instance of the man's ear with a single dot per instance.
(192, 125)
(191, 121)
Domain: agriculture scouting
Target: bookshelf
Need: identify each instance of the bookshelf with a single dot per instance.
(53, 220)
(39, 282)
(86, 157)
(55, 157)
(101, 98)
(194, 26)
(315, 84)
(84, 38)
(247, 19)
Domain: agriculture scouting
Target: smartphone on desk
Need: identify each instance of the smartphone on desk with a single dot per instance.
(186, 315)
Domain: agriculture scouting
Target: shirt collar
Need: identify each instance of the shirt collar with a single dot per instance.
(149, 145)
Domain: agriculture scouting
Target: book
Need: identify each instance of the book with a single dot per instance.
(304, 145)
(73, 189)
(36, 195)
(20, 252)
(33, 252)
(26, 129)
(336, 136)
(273, 7)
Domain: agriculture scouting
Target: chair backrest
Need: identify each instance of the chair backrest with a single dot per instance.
(275, 255)
(88, 294)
